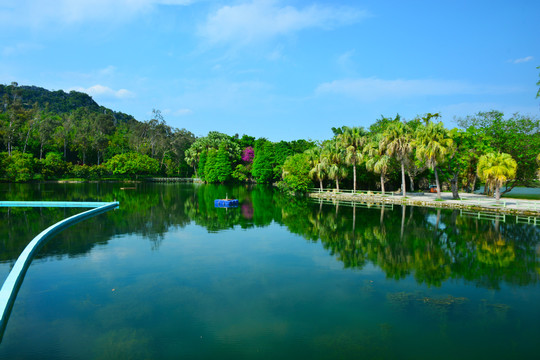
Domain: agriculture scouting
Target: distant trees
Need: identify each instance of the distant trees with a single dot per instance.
(36, 122)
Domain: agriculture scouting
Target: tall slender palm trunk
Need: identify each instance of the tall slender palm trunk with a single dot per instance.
(354, 177)
(403, 189)
(437, 182)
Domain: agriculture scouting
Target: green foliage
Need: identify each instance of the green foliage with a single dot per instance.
(241, 173)
(132, 164)
(202, 165)
(263, 163)
(210, 168)
(53, 166)
(518, 136)
(18, 167)
(496, 170)
(223, 164)
(296, 172)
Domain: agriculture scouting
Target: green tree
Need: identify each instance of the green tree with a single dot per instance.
(223, 164)
(518, 136)
(132, 164)
(378, 161)
(18, 167)
(434, 146)
(263, 162)
(397, 141)
(202, 165)
(296, 172)
(334, 158)
(210, 168)
(353, 140)
(318, 166)
(496, 169)
(53, 165)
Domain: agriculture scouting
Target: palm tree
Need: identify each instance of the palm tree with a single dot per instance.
(433, 145)
(353, 140)
(333, 157)
(496, 169)
(378, 161)
(398, 142)
(318, 166)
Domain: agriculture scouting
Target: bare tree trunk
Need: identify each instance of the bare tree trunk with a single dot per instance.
(337, 184)
(453, 182)
(437, 182)
(26, 141)
(403, 185)
(354, 177)
(412, 181)
(497, 192)
(320, 184)
(382, 183)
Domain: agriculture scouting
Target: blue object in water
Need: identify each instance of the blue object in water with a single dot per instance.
(226, 203)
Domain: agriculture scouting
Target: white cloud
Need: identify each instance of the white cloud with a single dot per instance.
(37, 13)
(370, 89)
(263, 19)
(101, 91)
(109, 70)
(522, 60)
(183, 112)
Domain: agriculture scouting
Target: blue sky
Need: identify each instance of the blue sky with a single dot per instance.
(283, 70)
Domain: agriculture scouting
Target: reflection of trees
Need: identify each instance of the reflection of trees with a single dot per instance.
(149, 211)
(433, 246)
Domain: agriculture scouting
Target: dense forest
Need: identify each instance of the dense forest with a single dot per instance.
(54, 135)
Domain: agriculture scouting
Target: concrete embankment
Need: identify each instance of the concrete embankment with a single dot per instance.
(473, 202)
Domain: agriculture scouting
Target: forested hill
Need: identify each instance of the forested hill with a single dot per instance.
(58, 102)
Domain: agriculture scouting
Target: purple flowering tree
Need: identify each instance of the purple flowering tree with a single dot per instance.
(248, 154)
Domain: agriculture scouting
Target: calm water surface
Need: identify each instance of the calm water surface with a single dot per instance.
(169, 276)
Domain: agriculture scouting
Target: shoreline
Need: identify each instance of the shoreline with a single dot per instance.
(474, 202)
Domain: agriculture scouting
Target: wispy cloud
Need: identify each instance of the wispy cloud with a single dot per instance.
(183, 112)
(522, 60)
(20, 48)
(105, 92)
(37, 13)
(370, 89)
(264, 19)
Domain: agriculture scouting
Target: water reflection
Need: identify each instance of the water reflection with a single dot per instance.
(433, 246)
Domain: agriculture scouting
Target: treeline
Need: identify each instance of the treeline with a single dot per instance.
(56, 135)
(59, 135)
(487, 148)
(222, 158)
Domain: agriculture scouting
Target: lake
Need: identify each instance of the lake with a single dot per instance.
(168, 276)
